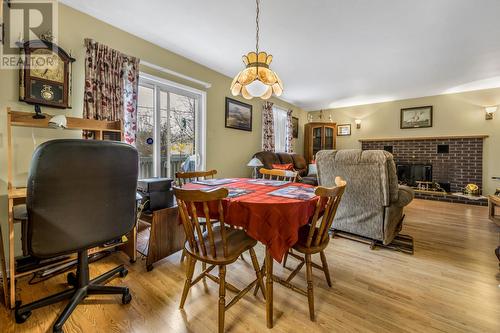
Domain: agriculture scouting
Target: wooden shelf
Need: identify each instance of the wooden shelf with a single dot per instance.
(25, 119)
(16, 192)
(416, 138)
(72, 257)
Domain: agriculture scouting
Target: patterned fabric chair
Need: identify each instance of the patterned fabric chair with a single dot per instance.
(372, 205)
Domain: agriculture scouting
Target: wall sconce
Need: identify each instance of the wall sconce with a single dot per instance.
(490, 110)
(358, 123)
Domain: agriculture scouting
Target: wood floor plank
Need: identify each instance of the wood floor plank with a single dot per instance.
(450, 284)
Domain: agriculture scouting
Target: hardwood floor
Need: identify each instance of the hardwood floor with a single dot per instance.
(450, 284)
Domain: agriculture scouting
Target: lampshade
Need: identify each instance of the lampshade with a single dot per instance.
(58, 121)
(257, 80)
(491, 109)
(357, 121)
(255, 162)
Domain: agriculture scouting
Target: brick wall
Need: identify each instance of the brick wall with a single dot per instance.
(462, 165)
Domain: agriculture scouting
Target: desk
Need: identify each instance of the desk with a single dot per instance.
(166, 234)
(272, 220)
(18, 196)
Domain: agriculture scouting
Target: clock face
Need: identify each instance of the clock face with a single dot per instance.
(47, 65)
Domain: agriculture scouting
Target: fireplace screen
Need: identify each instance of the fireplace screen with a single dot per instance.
(410, 174)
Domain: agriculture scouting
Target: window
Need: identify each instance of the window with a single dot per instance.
(170, 128)
(280, 128)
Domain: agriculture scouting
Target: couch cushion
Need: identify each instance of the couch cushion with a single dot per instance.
(285, 158)
(268, 158)
(299, 161)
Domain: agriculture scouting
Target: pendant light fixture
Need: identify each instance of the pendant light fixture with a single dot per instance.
(257, 80)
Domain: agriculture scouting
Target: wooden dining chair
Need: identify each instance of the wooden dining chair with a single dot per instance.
(219, 246)
(278, 174)
(314, 238)
(187, 177)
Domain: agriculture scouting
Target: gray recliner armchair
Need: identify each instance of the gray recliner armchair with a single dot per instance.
(373, 202)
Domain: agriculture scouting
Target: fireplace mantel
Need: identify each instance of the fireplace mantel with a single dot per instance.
(416, 138)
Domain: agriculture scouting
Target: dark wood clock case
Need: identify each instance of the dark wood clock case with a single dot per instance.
(39, 90)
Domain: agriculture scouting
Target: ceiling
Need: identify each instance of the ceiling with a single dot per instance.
(329, 53)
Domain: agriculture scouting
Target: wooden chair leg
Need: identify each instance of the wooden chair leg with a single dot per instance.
(183, 255)
(258, 272)
(285, 258)
(222, 296)
(310, 292)
(189, 277)
(325, 268)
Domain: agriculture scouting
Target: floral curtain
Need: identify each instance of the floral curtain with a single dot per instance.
(289, 132)
(267, 127)
(130, 91)
(111, 85)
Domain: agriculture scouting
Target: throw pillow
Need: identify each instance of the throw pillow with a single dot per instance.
(288, 166)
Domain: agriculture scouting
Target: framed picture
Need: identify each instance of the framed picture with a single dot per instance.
(344, 130)
(417, 117)
(238, 115)
(295, 126)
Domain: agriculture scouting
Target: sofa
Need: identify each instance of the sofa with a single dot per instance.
(373, 202)
(299, 164)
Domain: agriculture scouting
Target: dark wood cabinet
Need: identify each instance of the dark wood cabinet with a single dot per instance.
(318, 136)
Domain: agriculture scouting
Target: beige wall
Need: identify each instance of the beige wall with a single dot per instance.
(454, 114)
(228, 150)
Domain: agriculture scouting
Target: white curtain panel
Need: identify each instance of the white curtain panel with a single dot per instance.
(280, 119)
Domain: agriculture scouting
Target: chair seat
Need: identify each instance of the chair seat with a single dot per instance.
(302, 241)
(20, 212)
(237, 243)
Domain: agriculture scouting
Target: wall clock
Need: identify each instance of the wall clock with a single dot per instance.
(45, 74)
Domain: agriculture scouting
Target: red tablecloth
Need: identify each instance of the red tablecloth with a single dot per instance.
(272, 220)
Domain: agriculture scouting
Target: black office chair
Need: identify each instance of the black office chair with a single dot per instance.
(81, 194)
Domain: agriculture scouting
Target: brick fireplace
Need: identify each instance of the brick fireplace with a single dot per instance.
(452, 162)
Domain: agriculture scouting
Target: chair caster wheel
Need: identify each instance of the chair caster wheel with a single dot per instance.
(149, 268)
(123, 273)
(71, 279)
(22, 317)
(126, 298)
(55, 330)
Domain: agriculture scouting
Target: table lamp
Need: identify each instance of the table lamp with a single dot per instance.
(254, 163)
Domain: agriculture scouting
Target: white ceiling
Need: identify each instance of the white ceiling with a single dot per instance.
(329, 53)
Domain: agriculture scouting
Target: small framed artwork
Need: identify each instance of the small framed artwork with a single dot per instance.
(344, 130)
(238, 115)
(417, 117)
(295, 127)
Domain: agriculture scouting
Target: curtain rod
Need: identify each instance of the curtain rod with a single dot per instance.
(174, 73)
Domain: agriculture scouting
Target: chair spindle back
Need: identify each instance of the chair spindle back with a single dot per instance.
(192, 202)
(277, 174)
(318, 234)
(187, 177)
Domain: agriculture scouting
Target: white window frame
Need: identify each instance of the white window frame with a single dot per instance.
(201, 116)
(281, 109)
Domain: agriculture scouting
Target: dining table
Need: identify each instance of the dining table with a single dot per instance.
(270, 211)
